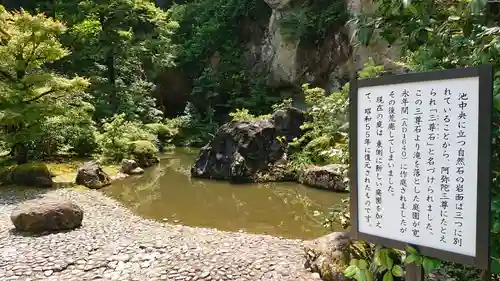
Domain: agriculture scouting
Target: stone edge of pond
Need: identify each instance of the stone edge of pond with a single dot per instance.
(7, 193)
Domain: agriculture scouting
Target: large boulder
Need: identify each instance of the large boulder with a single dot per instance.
(241, 149)
(91, 175)
(41, 215)
(332, 177)
(130, 167)
(30, 174)
(328, 255)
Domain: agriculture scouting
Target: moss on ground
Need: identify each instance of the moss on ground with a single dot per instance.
(63, 172)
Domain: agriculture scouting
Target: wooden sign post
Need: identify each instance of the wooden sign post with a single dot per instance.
(420, 148)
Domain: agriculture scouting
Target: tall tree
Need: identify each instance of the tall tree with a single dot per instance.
(30, 93)
(121, 45)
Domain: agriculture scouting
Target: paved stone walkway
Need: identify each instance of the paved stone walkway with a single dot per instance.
(114, 244)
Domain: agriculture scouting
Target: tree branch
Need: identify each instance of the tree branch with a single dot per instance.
(7, 76)
(39, 96)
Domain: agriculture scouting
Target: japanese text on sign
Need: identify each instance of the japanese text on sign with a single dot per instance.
(417, 162)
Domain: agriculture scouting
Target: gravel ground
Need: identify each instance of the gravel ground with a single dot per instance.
(114, 244)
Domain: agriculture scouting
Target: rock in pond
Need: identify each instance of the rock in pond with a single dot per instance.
(240, 149)
(30, 174)
(42, 215)
(130, 167)
(328, 255)
(332, 177)
(91, 175)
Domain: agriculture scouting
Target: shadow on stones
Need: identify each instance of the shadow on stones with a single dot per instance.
(15, 232)
(13, 195)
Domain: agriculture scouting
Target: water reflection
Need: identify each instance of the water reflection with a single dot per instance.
(167, 192)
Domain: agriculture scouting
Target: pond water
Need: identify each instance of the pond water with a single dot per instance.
(167, 193)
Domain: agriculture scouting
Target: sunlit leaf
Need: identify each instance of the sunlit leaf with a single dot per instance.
(388, 276)
(397, 271)
(350, 271)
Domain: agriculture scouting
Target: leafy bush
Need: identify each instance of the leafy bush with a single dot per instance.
(163, 132)
(325, 137)
(143, 151)
(120, 138)
(190, 129)
(73, 132)
(245, 115)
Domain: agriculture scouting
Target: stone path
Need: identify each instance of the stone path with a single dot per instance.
(114, 244)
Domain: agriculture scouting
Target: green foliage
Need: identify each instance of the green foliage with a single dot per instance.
(122, 46)
(245, 115)
(123, 139)
(324, 141)
(163, 132)
(378, 263)
(313, 19)
(212, 42)
(37, 106)
(191, 129)
(142, 148)
(414, 257)
(74, 131)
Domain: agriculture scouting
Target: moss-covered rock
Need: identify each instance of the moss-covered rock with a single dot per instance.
(143, 153)
(331, 177)
(30, 174)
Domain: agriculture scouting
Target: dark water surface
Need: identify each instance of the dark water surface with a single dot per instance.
(167, 192)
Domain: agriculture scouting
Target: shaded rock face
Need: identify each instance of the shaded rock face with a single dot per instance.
(240, 149)
(91, 175)
(294, 61)
(30, 174)
(331, 177)
(328, 255)
(130, 167)
(38, 216)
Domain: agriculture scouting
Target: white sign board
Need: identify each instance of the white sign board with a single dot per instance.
(417, 173)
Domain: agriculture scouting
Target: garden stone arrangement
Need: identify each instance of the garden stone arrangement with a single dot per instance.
(69, 234)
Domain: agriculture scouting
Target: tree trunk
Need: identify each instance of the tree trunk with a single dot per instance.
(20, 153)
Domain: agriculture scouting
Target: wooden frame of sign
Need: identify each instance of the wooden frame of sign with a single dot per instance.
(420, 156)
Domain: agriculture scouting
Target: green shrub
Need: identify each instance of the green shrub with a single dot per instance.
(142, 148)
(324, 141)
(119, 138)
(191, 129)
(245, 115)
